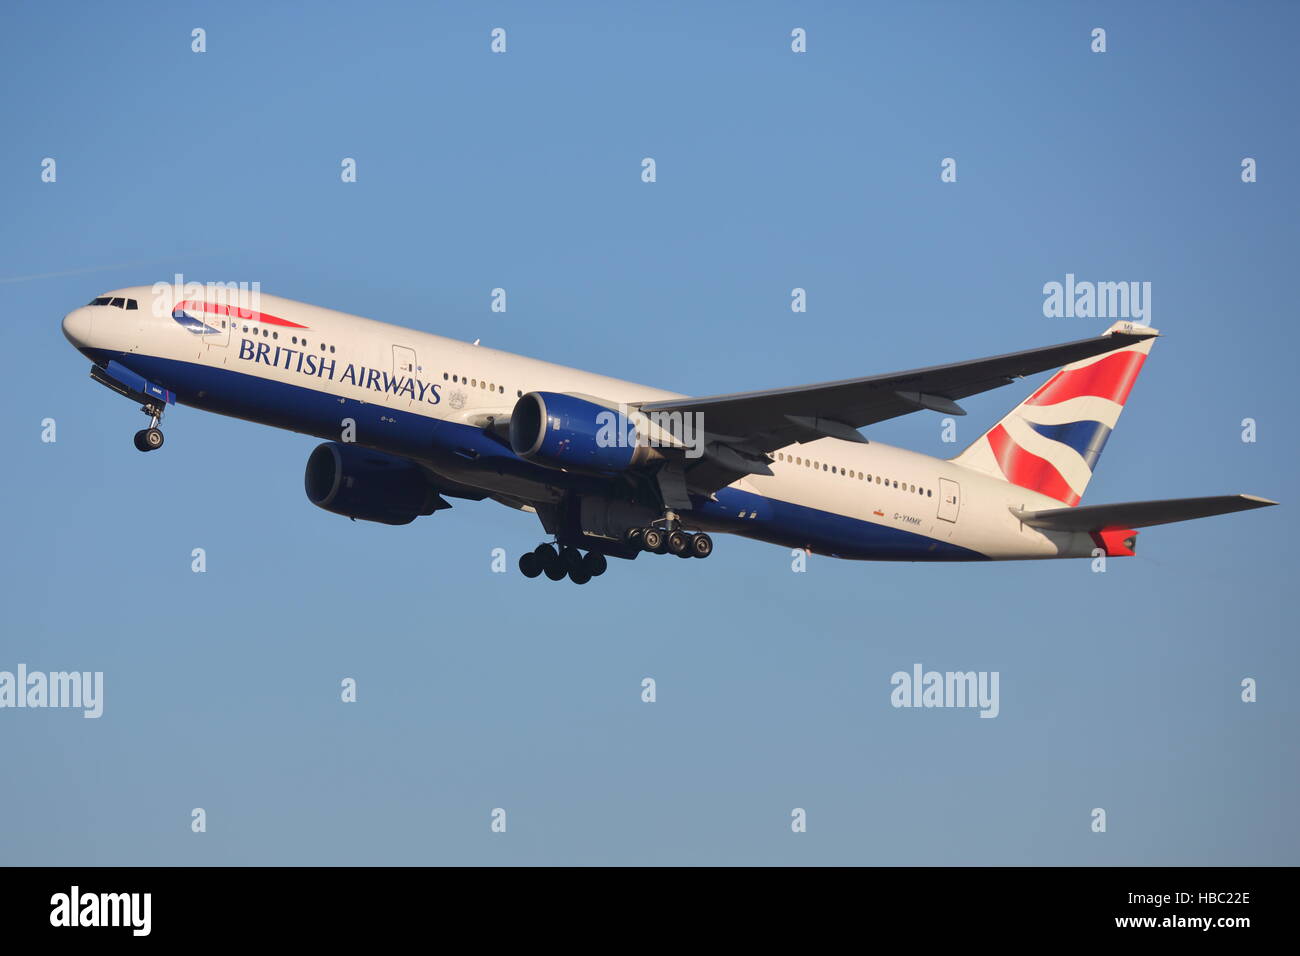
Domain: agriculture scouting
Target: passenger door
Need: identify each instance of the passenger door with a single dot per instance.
(405, 366)
(220, 322)
(404, 363)
(949, 499)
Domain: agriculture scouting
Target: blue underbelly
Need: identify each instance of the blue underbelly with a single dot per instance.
(314, 412)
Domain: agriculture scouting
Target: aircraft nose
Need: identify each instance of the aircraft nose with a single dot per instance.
(77, 326)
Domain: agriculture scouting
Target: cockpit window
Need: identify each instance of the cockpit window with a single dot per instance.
(117, 302)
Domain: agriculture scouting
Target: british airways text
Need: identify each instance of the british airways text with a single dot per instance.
(307, 363)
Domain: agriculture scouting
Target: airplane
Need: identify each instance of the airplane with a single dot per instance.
(616, 469)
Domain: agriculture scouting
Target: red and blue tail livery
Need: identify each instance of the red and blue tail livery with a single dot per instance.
(1050, 443)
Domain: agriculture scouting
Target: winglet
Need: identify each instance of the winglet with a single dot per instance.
(1126, 327)
(1259, 501)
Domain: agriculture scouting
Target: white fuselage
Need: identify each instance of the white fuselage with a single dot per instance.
(831, 496)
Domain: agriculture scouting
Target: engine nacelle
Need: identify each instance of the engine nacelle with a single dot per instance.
(575, 432)
(358, 483)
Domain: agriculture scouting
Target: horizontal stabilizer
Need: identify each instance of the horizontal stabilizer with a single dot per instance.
(1137, 514)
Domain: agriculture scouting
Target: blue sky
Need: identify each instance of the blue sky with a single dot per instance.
(775, 170)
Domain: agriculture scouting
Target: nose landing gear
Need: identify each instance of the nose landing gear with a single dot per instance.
(151, 438)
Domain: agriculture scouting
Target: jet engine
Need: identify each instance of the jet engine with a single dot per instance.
(359, 483)
(577, 432)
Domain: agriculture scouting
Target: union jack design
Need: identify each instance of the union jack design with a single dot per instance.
(187, 313)
(1050, 442)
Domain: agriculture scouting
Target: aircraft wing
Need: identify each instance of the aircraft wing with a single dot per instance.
(1137, 514)
(740, 429)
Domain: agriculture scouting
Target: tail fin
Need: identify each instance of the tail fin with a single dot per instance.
(1051, 441)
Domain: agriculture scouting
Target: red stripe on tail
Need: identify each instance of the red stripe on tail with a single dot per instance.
(1111, 377)
(1027, 470)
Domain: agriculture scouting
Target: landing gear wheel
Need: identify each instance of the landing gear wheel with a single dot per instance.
(594, 564)
(701, 545)
(579, 576)
(530, 564)
(633, 537)
(652, 539)
(570, 559)
(679, 543)
(149, 439)
(550, 562)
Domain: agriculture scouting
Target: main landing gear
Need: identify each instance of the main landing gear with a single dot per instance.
(556, 565)
(676, 541)
(151, 438)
